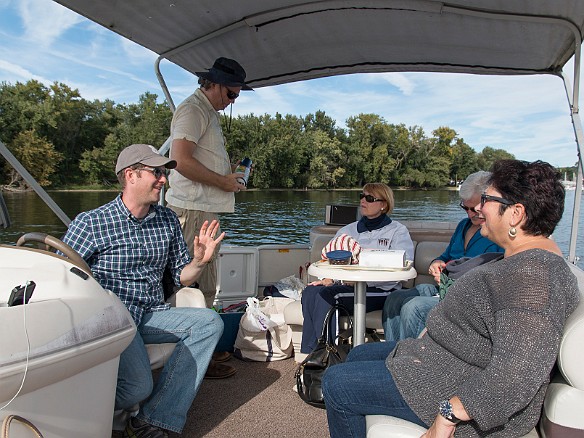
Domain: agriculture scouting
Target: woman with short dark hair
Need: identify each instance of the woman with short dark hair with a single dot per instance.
(483, 366)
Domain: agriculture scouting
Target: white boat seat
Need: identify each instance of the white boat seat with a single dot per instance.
(377, 426)
(382, 426)
(564, 399)
(426, 252)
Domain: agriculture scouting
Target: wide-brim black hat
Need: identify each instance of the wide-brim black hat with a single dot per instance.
(226, 71)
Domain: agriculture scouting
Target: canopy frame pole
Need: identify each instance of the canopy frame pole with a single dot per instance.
(35, 185)
(577, 125)
(162, 83)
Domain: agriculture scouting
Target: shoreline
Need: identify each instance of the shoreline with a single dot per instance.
(401, 188)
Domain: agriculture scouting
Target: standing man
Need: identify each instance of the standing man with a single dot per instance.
(204, 184)
(128, 243)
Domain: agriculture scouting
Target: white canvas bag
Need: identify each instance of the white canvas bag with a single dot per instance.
(263, 335)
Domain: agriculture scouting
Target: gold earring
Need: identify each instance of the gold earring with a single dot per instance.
(512, 232)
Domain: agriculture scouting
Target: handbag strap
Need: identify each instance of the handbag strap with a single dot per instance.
(10, 418)
(326, 335)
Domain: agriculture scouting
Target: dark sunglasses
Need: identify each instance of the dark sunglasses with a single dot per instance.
(231, 95)
(486, 198)
(467, 209)
(156, 171)
(369, 198)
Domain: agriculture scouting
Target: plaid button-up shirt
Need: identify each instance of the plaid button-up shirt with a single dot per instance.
(128, 256)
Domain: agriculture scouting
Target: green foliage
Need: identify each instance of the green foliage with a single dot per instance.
(37, 155)
(488, 156)
(325, 169)
(78, 141)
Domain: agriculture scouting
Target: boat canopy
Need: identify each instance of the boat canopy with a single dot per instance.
(282, 41)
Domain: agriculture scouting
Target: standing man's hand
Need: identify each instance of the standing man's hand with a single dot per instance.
(182, 152)
(232, 184)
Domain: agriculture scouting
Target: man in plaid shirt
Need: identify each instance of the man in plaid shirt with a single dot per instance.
(128, 243)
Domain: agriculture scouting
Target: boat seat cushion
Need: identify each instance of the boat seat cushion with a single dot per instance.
(426, 253)
(571, 355)
(382, 426)
(564, 399)
(379, 425)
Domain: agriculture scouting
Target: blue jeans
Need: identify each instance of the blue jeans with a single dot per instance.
(196, 333)
(362, 386)
(414, 314)
(402, 320)
(316, 302)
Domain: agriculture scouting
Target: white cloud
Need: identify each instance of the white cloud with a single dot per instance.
(398, 80)
(45, 21)
(23, 74)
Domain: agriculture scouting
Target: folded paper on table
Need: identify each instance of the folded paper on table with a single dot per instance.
(382, 258)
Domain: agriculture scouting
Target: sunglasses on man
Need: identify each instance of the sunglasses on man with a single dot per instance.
(467, 209)
(232, 95)
(369, 198)
(156, 171)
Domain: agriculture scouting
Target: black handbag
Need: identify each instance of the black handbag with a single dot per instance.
(326, 354)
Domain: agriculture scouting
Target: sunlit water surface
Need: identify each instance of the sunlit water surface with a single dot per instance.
(263, 217)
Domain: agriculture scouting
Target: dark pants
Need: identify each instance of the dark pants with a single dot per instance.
(316, 302)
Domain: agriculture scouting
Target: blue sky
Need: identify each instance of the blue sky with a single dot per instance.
(527, 116)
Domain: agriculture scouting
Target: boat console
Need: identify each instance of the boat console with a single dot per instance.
(62, 335)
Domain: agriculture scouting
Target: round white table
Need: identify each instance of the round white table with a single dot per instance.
(360, 276)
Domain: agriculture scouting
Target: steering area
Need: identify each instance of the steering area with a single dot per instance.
(59, 245)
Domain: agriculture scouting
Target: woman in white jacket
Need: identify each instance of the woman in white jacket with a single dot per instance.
(375, 230)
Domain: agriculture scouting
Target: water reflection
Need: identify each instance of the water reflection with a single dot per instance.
(263, 217)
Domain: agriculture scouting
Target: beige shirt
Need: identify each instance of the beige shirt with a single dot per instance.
(196, 120)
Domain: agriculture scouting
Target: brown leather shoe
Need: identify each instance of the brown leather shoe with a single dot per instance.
(219, 371)
(221, 356)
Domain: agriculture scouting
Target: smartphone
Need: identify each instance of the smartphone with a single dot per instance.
(21, 294)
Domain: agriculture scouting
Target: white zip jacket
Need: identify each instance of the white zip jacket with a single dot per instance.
(392, 236)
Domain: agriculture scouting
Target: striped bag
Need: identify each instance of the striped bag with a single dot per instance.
(346, 243)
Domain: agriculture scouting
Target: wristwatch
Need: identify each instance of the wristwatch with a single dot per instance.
(445, 409)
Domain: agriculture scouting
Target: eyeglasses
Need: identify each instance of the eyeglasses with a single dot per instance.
(486, 198)
(467, 209)
(231, 95)
(156, 171)
(369, 198)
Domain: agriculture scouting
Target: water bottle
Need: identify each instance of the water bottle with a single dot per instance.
(218, 306)
(244, 167)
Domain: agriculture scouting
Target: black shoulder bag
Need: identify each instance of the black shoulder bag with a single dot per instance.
(326, 354)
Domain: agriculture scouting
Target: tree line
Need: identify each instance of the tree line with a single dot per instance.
(64, 140)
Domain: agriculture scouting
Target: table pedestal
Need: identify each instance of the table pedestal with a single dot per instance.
(360, 277)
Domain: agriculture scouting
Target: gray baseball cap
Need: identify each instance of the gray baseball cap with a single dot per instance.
(143, 154)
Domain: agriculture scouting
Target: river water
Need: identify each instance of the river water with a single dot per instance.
(264, 217)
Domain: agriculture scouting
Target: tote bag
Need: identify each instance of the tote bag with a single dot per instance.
(263, 334)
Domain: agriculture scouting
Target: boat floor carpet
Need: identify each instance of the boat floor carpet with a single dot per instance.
(258, 401)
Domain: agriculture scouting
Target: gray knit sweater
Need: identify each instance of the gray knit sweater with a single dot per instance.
(492, 342)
